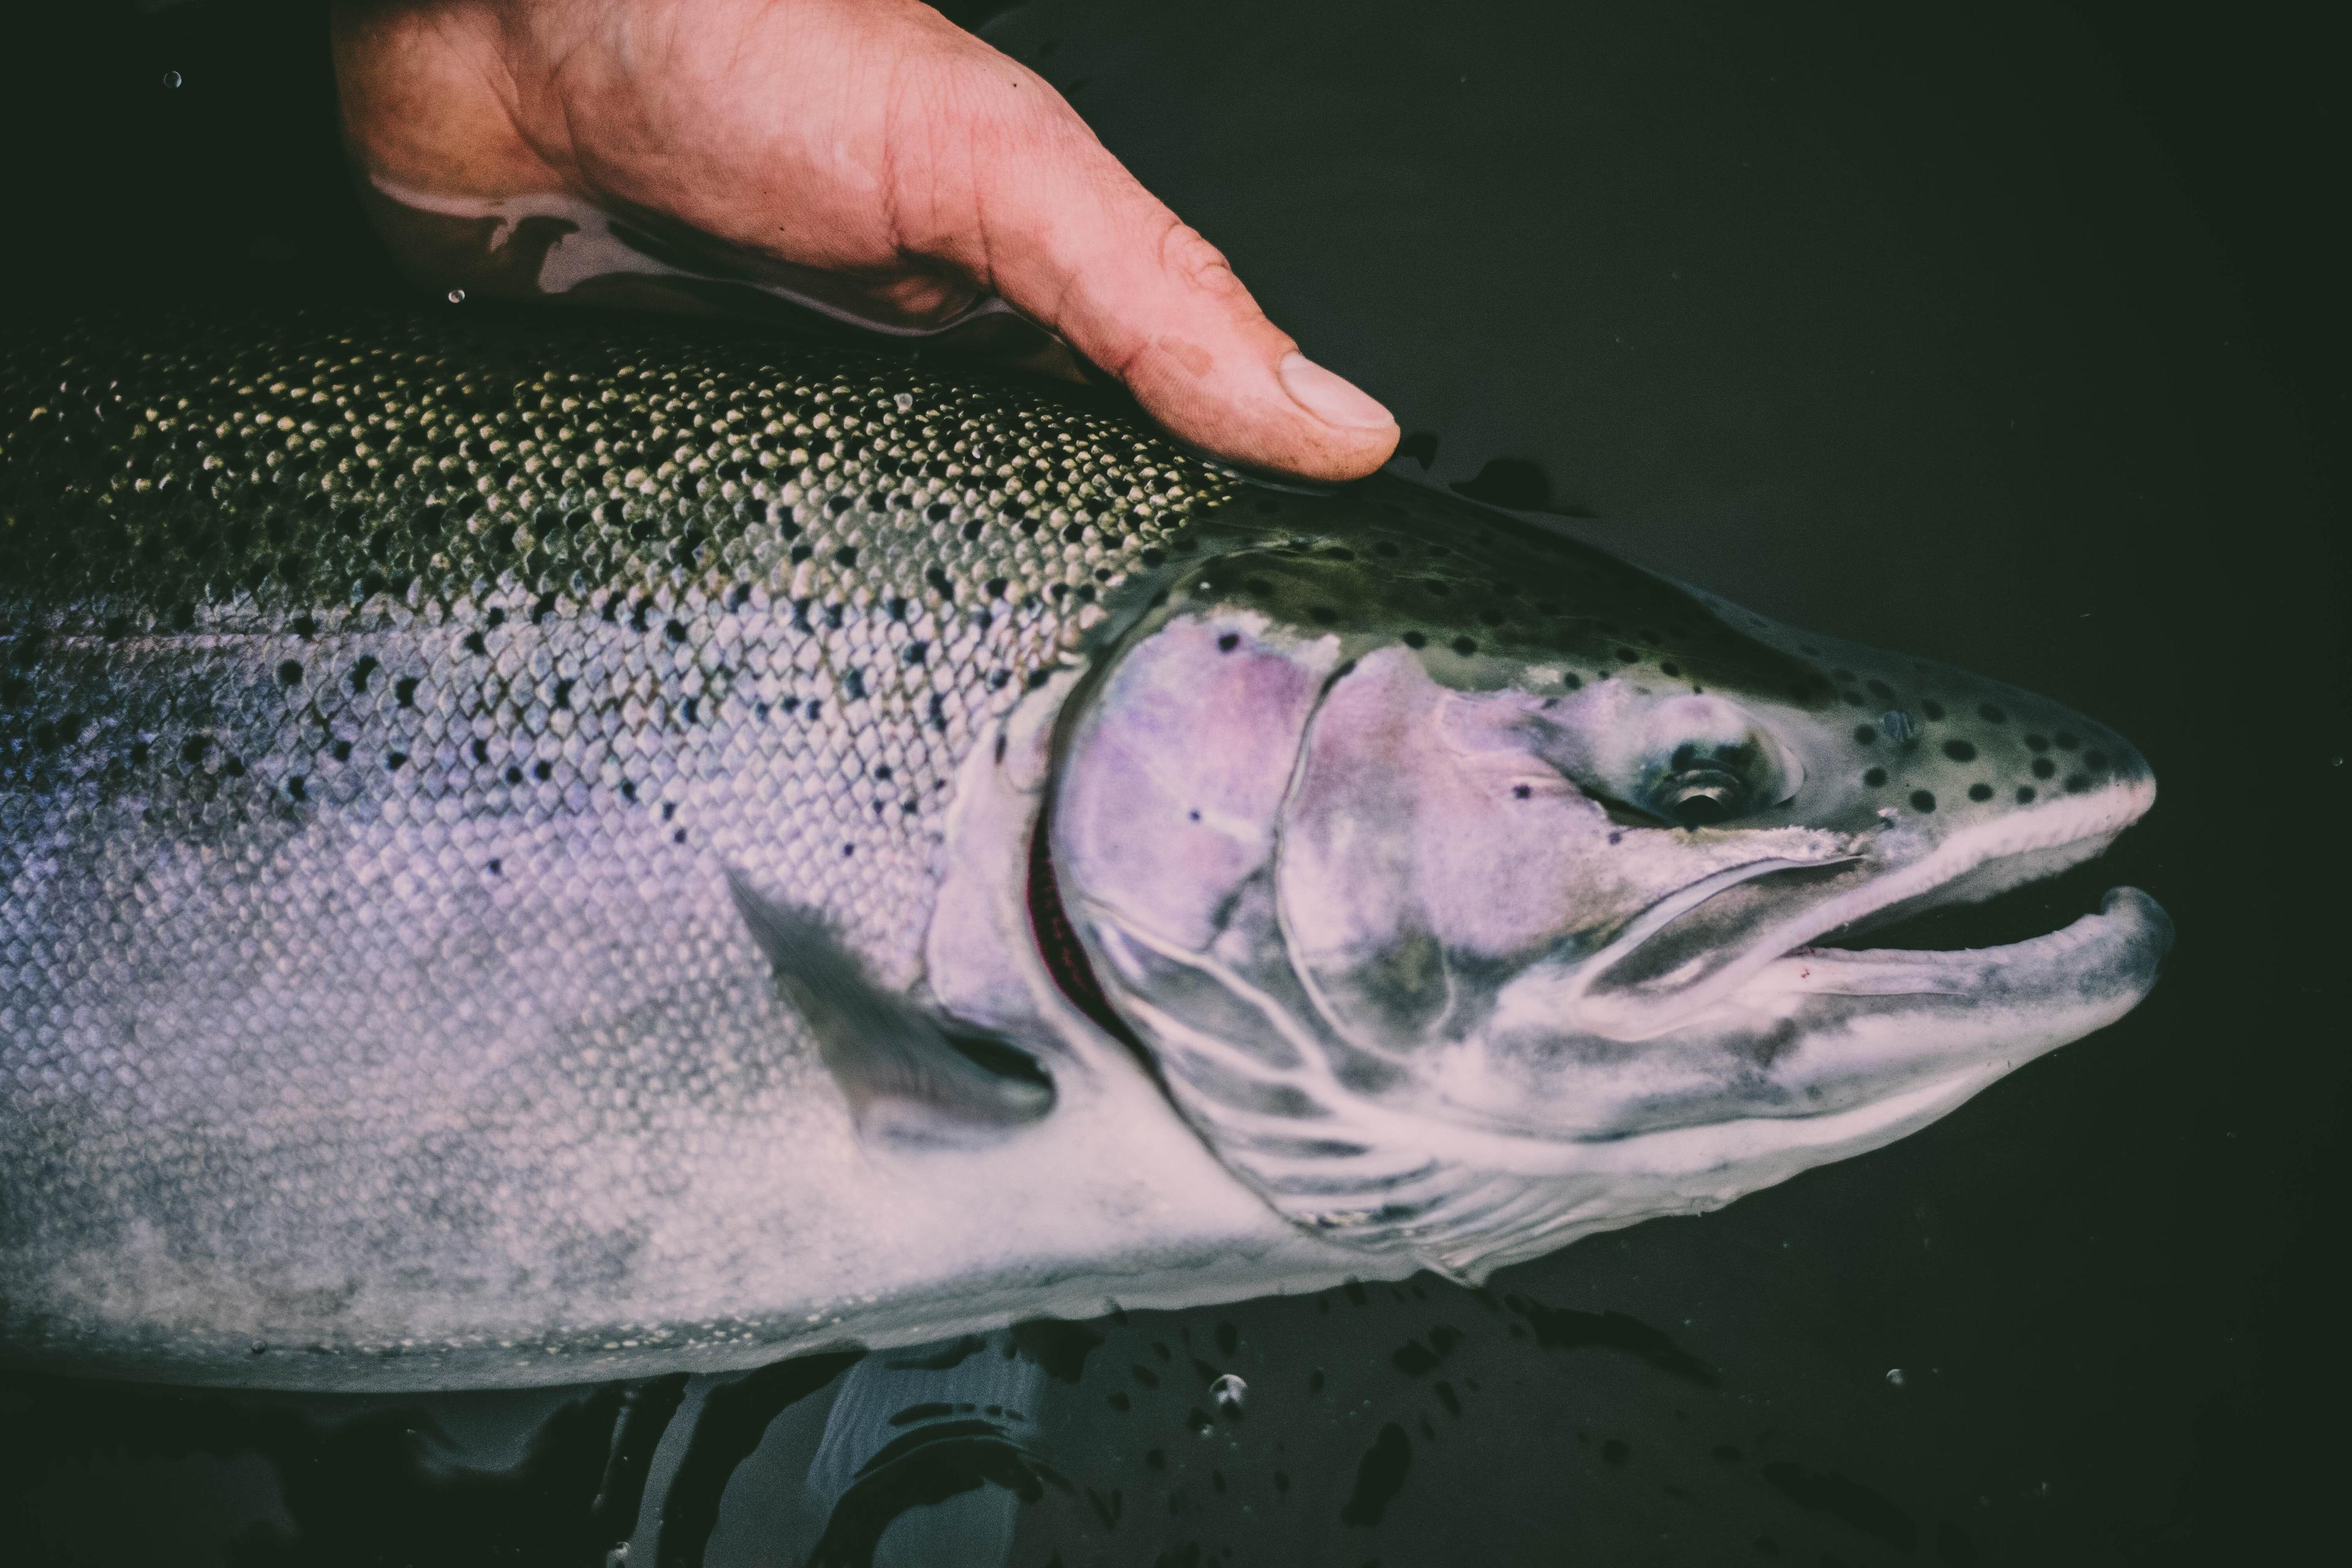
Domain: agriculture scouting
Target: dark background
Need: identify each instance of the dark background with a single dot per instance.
(2013, 336)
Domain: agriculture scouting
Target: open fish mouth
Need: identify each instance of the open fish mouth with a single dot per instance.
(1803, 921)
(2102, 943)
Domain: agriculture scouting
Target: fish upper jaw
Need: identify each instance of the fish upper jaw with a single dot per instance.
(1631, 994)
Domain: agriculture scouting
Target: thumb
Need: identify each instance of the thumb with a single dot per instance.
(1067, 236)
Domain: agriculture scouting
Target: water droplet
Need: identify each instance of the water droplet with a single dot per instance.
(617, 1555)
(1230, 1393)
(457, 296)
(172, 79)
(1894, 1377)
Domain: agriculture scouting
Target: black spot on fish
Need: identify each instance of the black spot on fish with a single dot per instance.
(1881, 690)
(1874, 777)
(675, 631)
(543, 770)
(800, 552)
(995, 588)
(563, 697)
(481, 749)
(1851, 1501)
(1864, 734)
(192, 749)
(2025, 794)
(846, 555)
(394, 761)
(1380, 1475)
(2078, 782)
(1230, 641)
(342, 750)
(1931, 708)
(404, 692)
(853, 687)
(1922, 800)
(1464, 646)
(1960, 750)
(474, 643)
(1979, 791)
(514, 775)
(290, 673)
(296, 789)
(1990, 714)
(2044, 768)
(1415, 639)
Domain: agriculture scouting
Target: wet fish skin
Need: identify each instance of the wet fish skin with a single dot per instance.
(385, 702)
(421, 746)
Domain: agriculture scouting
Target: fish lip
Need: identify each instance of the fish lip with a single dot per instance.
(2054, 829)
(2126, 914)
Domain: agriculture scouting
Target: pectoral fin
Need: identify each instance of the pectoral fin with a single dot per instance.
(906, 1069)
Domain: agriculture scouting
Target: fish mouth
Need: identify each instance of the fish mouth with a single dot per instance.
(2126, 925)
(1803, 947)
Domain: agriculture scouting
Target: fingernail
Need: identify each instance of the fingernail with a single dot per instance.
(1330, 398)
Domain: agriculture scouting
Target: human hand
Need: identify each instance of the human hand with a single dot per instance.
(864, 151)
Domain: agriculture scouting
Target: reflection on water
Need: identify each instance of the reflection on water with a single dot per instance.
(1248, 1432)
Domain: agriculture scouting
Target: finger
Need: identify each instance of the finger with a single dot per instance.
(1069, 237)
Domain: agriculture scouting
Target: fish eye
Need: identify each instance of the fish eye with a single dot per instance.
(1701, 784)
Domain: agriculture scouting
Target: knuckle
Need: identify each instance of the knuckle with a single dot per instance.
(1185, 253)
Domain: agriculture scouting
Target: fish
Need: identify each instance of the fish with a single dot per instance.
(537, 851)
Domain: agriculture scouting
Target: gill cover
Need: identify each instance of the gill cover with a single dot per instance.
(1459, 889)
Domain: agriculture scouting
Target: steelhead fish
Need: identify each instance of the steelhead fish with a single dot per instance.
(538, 852)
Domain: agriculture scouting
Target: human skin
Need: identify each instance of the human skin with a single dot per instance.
(871, 142)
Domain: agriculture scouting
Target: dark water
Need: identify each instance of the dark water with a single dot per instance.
(2012, 338)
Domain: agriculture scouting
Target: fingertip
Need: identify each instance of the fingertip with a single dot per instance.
(1330, 398)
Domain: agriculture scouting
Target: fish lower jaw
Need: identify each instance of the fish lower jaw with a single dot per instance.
(2114, 948)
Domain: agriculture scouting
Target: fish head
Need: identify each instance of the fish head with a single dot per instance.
(1468, 888)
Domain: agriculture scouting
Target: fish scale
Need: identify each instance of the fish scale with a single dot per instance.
(454, 584)
(355, 668)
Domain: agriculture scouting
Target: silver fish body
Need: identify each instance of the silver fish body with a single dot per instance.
(402, 728)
